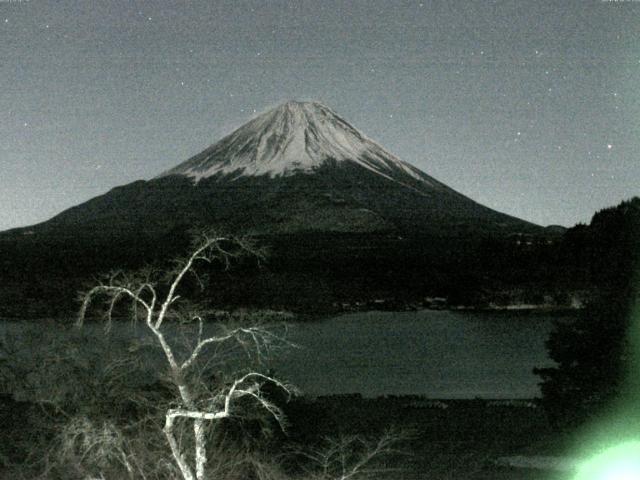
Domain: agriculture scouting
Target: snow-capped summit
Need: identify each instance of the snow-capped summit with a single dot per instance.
(295, 137)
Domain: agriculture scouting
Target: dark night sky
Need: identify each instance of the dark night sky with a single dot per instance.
(530, 107)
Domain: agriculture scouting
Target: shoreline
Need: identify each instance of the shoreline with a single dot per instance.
(319, 315)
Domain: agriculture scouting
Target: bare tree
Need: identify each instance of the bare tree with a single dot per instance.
(155, 303)
(352, 457)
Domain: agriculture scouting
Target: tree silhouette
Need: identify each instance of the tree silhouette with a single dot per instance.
(593, 351)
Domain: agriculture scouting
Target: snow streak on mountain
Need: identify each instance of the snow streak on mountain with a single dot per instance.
(296, 137)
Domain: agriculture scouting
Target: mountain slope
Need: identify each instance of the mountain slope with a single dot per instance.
(296, 168)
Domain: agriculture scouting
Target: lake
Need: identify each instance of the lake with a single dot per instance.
(438, 354)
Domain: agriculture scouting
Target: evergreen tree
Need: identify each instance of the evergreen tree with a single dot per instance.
(593, 351)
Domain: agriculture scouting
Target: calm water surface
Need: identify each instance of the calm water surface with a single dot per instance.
(439, 354)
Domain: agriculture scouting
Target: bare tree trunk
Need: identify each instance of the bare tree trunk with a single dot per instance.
(198, 424)
(201, 448)
(187, 474)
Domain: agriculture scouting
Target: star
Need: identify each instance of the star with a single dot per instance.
(6, 20)
(609, 146)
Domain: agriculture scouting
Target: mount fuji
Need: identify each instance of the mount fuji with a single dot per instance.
(343, 218)
(296, 168)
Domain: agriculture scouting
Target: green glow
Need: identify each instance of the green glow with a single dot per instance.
(618, 463)
(611, 442)
(620, 425)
